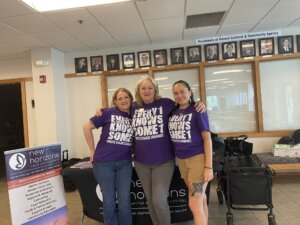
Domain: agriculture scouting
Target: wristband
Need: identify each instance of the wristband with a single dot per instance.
(206, 167)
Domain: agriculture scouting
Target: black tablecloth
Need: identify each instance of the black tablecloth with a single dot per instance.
(92, 205)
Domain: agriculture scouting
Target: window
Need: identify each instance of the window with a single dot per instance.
(230, 98)
(280, 92)
(166, 80)
(124, 81)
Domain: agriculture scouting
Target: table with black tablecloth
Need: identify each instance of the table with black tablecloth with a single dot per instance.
(92, 205)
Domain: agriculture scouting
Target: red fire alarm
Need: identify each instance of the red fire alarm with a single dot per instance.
(43, 79)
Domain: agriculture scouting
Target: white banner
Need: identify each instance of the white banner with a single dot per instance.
(35, 186)
(237, 37)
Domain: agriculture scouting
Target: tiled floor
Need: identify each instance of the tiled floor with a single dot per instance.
(286, 199)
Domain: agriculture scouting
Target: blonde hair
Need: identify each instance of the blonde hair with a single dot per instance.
(114, 97)
(138, 97)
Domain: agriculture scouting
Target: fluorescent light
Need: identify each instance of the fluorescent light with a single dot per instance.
(227, 71)
(216, 80)
(164, 85)
(52, 5)
(161, 78)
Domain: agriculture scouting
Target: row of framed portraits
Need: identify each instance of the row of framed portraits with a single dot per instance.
(229, 50)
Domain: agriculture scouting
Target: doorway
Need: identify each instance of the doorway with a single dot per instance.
(11, 121)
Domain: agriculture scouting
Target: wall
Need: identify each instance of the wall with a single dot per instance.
(32, 136)
(83, 95)
(15, 68)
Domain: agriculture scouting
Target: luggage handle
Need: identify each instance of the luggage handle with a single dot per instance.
(65, 155)
(238, 138)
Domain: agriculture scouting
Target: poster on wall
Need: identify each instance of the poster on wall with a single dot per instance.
(35, 186)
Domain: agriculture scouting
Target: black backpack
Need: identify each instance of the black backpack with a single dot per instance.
(296, 137)
(218, 151)
(286, 140)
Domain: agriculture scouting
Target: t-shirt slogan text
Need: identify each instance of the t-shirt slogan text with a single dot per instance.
(180, 128)
(148, 124)
(120, 131)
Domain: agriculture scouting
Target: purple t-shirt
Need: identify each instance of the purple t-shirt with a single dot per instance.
(152, 139)
(185, 127)
(116, 136)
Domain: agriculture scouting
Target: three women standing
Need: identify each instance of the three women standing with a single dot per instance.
(153, 148)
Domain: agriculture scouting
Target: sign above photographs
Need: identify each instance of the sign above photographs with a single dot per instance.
(237, 37)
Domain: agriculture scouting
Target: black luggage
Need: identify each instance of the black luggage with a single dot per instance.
(246, 186)
(296, 136)
(235, 146)
(68, 184)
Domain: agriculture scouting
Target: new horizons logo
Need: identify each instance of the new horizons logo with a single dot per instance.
(17, 161)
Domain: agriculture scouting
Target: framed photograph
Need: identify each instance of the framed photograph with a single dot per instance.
(177, 55)
(81, 65)
(113, 62)
(96, 63)
(266, 46)
(211, 52)
(194, 54)
(298, 43)
(144, 59)
(285, 44)
(160, 57)
(229, 50)
(128, 60)
(247, 48)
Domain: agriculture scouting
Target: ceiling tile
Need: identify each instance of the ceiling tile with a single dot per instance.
(74, 46)
(52, 37)
(253, 4)
(3, 47)
(70, 19)
(137, 23)
(284, 11)
(234, 16)
(194, 7)
(124, 12)
(6, 30)
(236, 28)
(29, 23)
(157, 9)
(133, 41)
(202, 32)
(21, 41)
(288, 1)
(272, 25)
(165, 29)
(90, 33)
(100, 44)
(122, 31)
(13, 8)
(296, 23)
(12, 53)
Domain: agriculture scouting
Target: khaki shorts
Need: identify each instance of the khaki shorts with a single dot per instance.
(192, 169)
